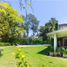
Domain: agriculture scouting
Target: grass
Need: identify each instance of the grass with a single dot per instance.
(35, 57)
(8, 58)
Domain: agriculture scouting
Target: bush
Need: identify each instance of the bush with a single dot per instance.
(39, 41)
(65, 51)
(29, 41)
(22, 61)
(4, 44)
(60, 49)
(1, 52)
(36, 41)
(50, 49)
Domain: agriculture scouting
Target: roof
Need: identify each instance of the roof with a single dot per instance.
(62, 24)
(59, 33)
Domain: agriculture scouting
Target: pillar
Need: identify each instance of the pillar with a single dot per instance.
(55, 42)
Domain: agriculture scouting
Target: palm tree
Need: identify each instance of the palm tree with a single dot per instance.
(52, 25)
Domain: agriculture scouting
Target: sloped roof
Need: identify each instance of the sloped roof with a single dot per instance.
(62, 24)
(59, 33)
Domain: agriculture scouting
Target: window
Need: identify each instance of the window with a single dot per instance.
(65, 42)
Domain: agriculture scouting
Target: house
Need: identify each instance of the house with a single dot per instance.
(59, 36)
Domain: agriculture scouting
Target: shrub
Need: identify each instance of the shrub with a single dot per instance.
(22, 59)
(50, 48)
(39, 41)
(60, 49)
(65, 51)
(1, 52)
(4, 44)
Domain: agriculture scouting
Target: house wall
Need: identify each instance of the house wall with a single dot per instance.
(63, 26)
(62, 42)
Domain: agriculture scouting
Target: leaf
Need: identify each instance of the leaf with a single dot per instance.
(29, 4)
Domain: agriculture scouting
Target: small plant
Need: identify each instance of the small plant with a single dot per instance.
(65, 51)
(1, 52)
(60, 51)
(22, 62)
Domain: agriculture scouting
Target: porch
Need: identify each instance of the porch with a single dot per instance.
(60, 38)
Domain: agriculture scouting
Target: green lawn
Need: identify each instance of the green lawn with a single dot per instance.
(8, 58)
(34, 55)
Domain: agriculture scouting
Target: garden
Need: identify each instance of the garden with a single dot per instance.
(20, 27)
(29, 57)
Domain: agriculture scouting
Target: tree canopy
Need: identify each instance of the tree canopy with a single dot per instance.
(9, 20)
(50, 26)
(31, 23)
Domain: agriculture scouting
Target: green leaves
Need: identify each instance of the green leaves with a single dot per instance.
(22, 59)
(50, 26)
(29, 4)
(9, 19)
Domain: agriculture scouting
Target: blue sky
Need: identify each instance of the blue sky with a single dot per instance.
(45, 9)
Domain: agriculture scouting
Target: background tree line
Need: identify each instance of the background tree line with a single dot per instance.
(16, 28)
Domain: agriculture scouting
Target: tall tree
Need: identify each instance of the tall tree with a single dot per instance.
(24, 5)
(9, 19)
(52, 25)
(33, 23)
(42, 33)
(27, 26)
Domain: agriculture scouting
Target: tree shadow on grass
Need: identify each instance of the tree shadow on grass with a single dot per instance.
(46, 50)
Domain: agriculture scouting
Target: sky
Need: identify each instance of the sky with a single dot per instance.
(46, 9)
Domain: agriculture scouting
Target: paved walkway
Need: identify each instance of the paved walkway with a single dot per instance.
(32, 45)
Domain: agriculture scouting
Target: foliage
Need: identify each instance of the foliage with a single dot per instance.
(38, 41)
(60, 49)
(26, 41)
(1, 52)
(27, 26)
(9, 20)
(31, 23)
(14, 20)
(22, 59)
(31, 41)
(4, 44)
(52, 25)
(42, 33)
(65, 51)
(35, 58)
